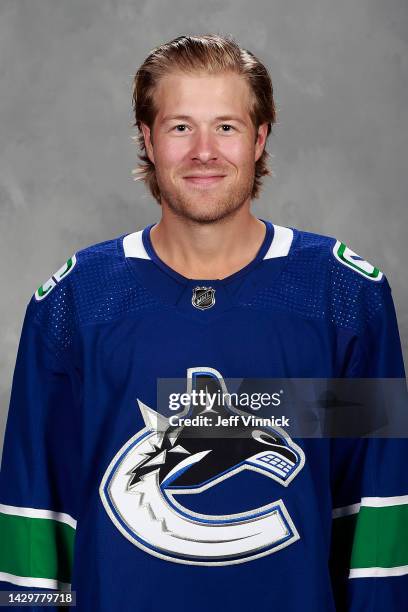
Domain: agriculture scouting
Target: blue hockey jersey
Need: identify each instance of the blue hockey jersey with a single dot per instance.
(100, 493)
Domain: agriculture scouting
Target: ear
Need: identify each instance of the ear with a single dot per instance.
(261, 140)
(148, 141)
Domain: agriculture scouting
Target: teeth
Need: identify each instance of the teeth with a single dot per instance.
(159, 460)
(179, 449)
(156, 440)
(174, 435)
(153, 444)
(141, 504)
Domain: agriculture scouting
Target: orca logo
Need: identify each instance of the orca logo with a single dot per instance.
(163, 462)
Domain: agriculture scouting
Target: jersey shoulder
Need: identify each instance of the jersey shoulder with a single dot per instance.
(337, 254)
(95, 260)
(322, 278)
(91, 286)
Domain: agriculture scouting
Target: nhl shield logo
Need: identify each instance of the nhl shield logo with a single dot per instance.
(203, 297)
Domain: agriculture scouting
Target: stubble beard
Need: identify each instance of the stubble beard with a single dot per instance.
(195, 208)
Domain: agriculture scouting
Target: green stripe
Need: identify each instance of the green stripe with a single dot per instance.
(36, 547)
(381, 537)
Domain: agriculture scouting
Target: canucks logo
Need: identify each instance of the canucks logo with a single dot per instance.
(146, 482)
(61, 273)
(350, 259)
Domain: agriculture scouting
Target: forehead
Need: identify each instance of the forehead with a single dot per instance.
(202, 95)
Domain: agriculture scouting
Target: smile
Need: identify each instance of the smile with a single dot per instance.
(203, 180)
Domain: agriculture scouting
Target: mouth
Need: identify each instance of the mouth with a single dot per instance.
(204, 180)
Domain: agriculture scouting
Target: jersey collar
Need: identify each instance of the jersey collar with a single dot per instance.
(276, 243)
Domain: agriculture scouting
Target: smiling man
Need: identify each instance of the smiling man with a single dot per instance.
(204, 153)
(102, 490)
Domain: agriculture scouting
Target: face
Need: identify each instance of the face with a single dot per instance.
(203, 145)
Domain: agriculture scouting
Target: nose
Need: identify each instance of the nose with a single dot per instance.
(204, 146)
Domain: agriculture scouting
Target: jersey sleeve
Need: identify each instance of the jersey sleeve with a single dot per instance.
(369, 555)
(40, 467)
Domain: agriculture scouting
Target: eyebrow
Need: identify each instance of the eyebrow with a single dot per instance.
(188, 118)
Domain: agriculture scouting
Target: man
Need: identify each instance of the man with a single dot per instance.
(140, 504)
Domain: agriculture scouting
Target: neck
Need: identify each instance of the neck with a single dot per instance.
(208, 250)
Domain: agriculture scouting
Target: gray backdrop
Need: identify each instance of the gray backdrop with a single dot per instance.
(340, 149)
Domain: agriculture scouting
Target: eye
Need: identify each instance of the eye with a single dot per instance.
(228, 126)
(179, 125)
(264, 437)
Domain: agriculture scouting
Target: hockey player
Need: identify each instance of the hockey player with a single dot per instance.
(100, 492)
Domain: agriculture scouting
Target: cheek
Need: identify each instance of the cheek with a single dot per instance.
(171, 153)
(238, 153)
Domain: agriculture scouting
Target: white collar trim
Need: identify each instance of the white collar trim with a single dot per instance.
(281, 242)
(133, 246)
